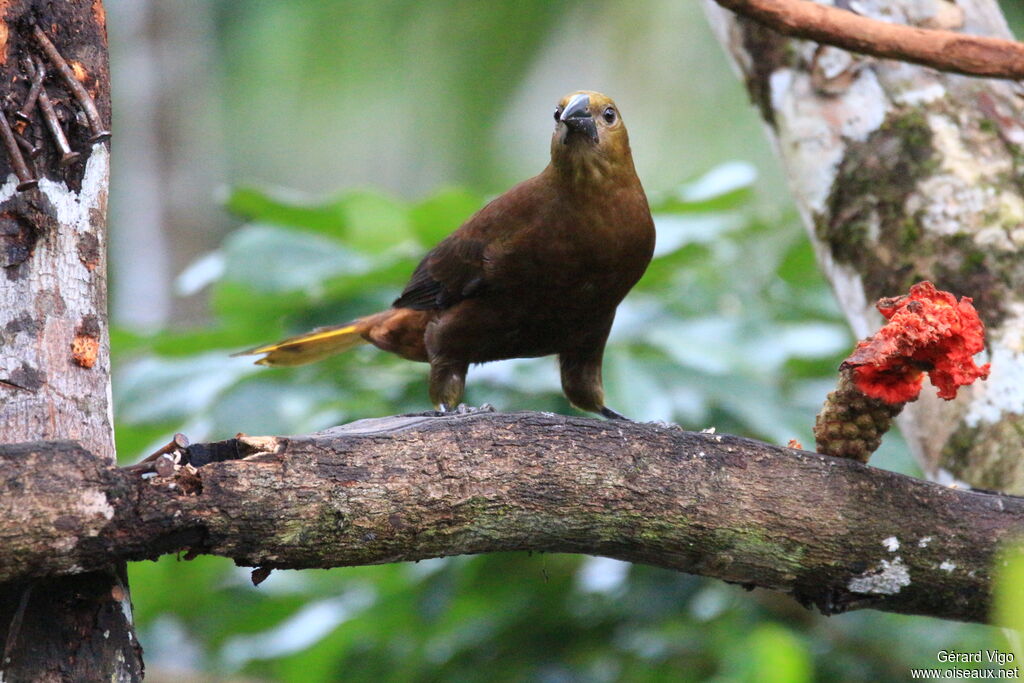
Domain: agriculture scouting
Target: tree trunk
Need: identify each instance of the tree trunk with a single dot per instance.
(54, 346)
(901, 174)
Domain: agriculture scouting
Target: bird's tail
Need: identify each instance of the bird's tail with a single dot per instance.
(312, 346)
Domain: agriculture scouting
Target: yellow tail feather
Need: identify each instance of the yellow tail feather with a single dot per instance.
(309, 347)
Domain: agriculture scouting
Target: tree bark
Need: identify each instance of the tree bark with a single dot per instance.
(54, 348)
(832, 532)
(901, 174)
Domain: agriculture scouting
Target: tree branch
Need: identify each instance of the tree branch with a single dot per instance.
(831, 532)
(943, 50)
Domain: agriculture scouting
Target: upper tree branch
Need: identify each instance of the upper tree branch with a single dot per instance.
(831, 532)
(942, 50)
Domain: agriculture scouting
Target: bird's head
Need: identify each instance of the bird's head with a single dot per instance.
(590, 140)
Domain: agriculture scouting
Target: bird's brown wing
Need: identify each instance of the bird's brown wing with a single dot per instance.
(451, 272)
(467, 262)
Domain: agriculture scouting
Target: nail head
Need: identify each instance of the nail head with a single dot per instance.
(68, 159)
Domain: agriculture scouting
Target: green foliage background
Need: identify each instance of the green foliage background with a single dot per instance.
(731, 327)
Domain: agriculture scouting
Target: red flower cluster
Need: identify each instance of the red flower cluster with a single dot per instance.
(928, 331)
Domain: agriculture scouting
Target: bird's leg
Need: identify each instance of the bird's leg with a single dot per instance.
(447, 382)
(581, 381)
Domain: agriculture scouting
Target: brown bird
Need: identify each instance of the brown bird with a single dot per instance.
(538, 271)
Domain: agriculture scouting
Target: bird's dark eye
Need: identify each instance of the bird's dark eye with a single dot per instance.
(558, 113)
(609, 115)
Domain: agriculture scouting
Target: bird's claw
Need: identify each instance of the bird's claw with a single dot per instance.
(463, 409)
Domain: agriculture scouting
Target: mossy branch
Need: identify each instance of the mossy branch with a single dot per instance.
(831, 532)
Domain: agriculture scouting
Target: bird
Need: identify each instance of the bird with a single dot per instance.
(538, 271)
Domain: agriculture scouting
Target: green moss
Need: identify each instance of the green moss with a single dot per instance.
(297, 532)
(910, 232)
(1017, 153)
(328, 522)
(769, 51)
(869, 197)
(752, 543)
(974, 260)
(987, 457)
(966, 269)
(955, 454)
(912, 128)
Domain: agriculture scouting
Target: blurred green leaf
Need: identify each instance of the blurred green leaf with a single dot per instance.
(1008, 594)
(676, 231)
(287, 208)
(724, 187)
(268, 259)
(441, 213)
(724, 180)
(158, 390)
(374, 222)
(260, 314)
(777, 656)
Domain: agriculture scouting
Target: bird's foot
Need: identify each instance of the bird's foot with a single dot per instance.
(612, 415)
(463, 409)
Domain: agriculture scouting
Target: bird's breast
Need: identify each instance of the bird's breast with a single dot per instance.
(582, 263)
